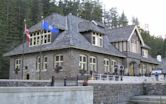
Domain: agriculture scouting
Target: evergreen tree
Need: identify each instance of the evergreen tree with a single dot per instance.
(156, 43)
(107, 18)
(91, 10)
(164, 48)
(135, 21)
(123, 20)
(114, 17)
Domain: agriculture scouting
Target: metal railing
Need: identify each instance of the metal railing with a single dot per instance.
(106, 77)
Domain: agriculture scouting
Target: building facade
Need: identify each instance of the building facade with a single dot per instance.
(128, 40)
(80, 46)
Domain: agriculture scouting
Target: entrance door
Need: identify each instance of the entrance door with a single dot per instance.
(27, 76)
(131, 70)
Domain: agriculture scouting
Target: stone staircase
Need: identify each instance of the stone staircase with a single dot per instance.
(148, 100)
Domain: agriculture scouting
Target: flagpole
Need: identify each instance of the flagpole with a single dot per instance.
(41, 64)
(23, 51)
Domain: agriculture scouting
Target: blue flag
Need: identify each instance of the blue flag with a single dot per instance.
(49, 27)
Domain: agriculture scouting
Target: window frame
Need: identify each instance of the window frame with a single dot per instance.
(59, 61)
(97, 39)
(40, 38)
(113, 63)
(145, 53)
(45, 63)
(83, 64)
(17, 64)
(106, 65)
(93, 66)
(38, 63)
(134, 46)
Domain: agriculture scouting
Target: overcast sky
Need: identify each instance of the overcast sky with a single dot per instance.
(151, 12)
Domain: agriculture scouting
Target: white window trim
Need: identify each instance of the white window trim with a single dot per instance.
(98, 39)
(113, 63)
(92, 64)
(17, 63)
(134, 46)
(145, 53)
(38, 64)
(60, 62)
(106, 65)
(82, 63)
(45, 63)
(41, 35)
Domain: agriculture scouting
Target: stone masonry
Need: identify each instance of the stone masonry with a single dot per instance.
(115, 93)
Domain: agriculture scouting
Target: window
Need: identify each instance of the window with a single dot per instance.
(133, 46)
(97, 39)
(106, 65)
(113, 63)
(124, 46)
(93, 63)
(40, 38)
(18, 64)
(100, 38)
(144, 69)
(121, 46)
(38, 63)
(145, 53)
(83, 62)
(116, 45)
(58, 60)
(45, 64)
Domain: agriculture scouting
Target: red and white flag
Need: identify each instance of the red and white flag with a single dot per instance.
(26, 30)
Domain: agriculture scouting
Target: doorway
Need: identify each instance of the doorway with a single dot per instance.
(131, 69)
(27, 77)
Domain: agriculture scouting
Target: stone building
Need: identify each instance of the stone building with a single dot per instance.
(80, 46)
(128, 40)
(163, 65)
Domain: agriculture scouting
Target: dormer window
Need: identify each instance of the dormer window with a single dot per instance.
(145, 53)
(97, 39)
(40, 38)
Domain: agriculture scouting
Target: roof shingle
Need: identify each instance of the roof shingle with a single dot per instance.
(121, 34)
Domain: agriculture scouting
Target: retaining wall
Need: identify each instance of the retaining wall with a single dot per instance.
(155, 88)
(46, 95)
(25, 83)
(115, 93)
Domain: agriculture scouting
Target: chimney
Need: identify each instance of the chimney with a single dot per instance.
(159, 59)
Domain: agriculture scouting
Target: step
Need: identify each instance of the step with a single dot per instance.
(148, 99)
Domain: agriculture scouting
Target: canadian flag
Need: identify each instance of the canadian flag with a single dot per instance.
(26, 30)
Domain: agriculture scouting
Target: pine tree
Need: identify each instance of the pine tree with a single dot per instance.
(123, 20)
(114, 18)
(135, 21)
(91, 10)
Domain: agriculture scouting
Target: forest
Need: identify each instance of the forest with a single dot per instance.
(13, 13)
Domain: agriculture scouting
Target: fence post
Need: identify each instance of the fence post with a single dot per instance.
(77, 81)
(108, 77)
(52, 81)
(100, 77)
(65, 81)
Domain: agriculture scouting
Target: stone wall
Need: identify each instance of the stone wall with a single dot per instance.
(25, 83)
(115, 93)
(70, 64)
(156, 88)
(46, 95)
